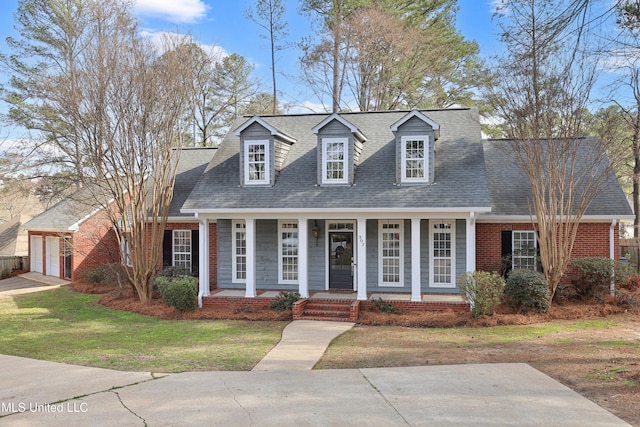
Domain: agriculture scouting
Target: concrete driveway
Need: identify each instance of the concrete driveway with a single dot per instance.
(27, 283)
(36, 393)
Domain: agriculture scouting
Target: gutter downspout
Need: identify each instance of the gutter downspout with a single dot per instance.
(612, 255)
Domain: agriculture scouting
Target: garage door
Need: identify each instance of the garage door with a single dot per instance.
(53, 256)
(36, 254)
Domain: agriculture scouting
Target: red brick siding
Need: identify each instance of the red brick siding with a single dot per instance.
(592, 240)
(94, 244)
(213, 247)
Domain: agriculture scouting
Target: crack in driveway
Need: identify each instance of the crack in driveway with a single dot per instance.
(388, 402)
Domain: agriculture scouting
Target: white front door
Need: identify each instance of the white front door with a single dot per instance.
(53, 256)
(35, 263)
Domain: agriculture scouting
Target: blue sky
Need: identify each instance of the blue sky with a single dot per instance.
(222, 23)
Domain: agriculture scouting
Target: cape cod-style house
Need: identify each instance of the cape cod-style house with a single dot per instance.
(370, 203)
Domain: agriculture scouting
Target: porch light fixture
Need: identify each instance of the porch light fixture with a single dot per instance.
(315, 231)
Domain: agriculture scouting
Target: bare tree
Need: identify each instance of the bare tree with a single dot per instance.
(545, 84)
(269, 15)
(119, 109)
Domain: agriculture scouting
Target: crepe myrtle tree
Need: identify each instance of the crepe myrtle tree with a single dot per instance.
(542, 94)
(87, 83)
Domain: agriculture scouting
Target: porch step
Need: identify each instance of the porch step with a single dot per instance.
(335, 310)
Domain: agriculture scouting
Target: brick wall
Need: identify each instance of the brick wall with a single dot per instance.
(213, 247)
(94, 244)
(592, 240)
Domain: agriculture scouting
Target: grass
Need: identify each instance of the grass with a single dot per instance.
(64, 326)
(365, 347)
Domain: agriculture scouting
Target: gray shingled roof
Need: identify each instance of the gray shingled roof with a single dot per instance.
(75, 208)
(460, 180)
(510, 189)
(193, 162)
(64, 214)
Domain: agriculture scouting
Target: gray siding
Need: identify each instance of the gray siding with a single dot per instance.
(224, 255)
(424, 256)
(317, 257)
(415, 126)
(267, 256)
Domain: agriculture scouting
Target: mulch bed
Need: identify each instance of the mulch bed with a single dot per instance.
(117, 299)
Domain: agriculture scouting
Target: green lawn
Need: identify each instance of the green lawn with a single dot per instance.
(64, 326)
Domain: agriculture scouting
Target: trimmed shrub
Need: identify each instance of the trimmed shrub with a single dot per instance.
(95, 275)
(527, 290)
(178, 292)
(5, 273)
(595, 275)
(175, 272)
(382, 306)
(483, 290)
(284, 300)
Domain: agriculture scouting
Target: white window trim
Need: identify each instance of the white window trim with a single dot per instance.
(173, 248)
(267, 162)
(281, 280)
(381, 230)
(432, 283)
(535, 246)
(234, 257)
(345, 145)
(403, 160)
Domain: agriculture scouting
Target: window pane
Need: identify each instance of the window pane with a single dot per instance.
(182, 249)
(524, 249)
(289, 251)
(256, 162)
(390, 243)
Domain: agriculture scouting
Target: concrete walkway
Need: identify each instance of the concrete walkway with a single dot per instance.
(303, 343)
(29, 282)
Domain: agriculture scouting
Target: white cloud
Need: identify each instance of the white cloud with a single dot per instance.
(306, 107)
(177, 11)
(159, 40)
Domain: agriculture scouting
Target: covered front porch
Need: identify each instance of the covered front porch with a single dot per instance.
(403, 256)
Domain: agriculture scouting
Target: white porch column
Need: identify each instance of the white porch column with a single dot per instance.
(203, 260)
(361, 262)
(471, 242)
(415, 260)
(303, 258)
(250, 284)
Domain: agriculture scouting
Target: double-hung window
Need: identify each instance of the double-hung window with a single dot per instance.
(415, 159)
(390, 253)
(334, 160)
(239, 251)
(256, 161)
(442, 254)
(182, 249)
(524, 249)
(288, 246)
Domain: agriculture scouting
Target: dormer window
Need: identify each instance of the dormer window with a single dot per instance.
(256, 159)
(415, 161)
(416, 135)
(334, 159)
